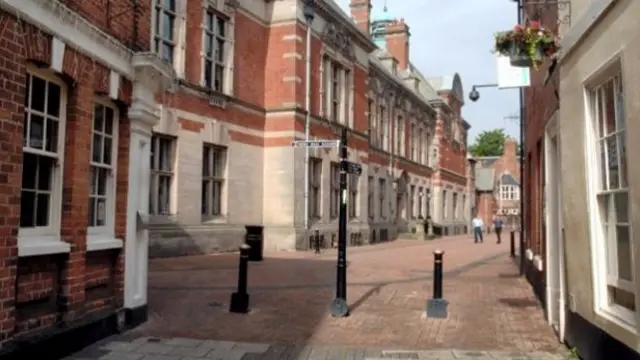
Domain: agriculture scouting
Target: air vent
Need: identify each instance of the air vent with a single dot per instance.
(217, 100)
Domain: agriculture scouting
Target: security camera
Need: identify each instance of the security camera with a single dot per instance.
(474, 95)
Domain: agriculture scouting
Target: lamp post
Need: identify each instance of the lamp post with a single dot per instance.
(430, 195)
(474, 95)
(309, 15)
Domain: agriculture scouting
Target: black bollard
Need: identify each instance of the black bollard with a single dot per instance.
(437, 305)
(240, 299)
(317, 241)
(513, 243)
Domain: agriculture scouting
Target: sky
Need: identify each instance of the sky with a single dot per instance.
(449, 36)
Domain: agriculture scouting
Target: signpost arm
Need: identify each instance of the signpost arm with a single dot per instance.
(339, 306)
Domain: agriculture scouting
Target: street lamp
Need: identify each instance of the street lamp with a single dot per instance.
(309, 15)
(474, 95)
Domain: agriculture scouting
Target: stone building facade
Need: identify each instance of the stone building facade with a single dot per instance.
(77, 107)
(591, 267)
(225, 158)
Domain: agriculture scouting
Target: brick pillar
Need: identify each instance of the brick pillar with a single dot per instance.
(122, 186)
(75, 205)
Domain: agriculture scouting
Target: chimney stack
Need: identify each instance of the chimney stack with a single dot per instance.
(361, 14)
(397, 37)
(510, 147)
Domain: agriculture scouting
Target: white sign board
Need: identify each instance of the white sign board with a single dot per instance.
(511, 76)
(316, 143)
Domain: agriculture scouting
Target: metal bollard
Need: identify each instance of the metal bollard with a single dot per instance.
(513, 243)
(437, 305)
(317, 241)
(240, 299)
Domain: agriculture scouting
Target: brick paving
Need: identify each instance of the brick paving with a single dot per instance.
(492, 313)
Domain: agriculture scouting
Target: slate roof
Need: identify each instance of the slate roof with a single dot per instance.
(484, 179)
(508, 179)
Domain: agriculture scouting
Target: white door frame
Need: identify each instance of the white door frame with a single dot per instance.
(555, 277)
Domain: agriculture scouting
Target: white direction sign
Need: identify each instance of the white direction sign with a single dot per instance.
(316, 143)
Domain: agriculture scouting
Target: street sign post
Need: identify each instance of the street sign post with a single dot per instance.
(316, 143)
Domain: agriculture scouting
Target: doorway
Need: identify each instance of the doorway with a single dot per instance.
(555, 275)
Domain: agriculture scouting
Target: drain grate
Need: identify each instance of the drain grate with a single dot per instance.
(400, 355)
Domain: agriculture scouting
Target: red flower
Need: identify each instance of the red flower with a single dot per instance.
(535, 25)
(517, 27)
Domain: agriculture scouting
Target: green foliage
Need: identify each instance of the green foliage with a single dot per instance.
(488, 143)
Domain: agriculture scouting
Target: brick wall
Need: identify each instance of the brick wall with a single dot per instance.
(540, 104)
(43, 291)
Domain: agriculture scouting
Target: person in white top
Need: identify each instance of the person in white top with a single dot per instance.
(478, 227)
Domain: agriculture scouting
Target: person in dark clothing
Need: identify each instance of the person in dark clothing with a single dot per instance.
(498, 224)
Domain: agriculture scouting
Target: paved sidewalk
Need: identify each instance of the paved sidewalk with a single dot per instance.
(492, 313)
(190, 349)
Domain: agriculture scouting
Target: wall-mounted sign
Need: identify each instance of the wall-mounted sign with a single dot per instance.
(511, 76)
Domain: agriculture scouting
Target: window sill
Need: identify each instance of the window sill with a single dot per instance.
(218, 220)
(624, 319)
(41, 245)
(103, 242)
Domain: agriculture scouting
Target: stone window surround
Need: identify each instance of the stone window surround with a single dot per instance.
(217, 6)
(328, 55)
(617, 314)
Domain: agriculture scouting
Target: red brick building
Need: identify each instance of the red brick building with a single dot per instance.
(76, 103)
(497, 181)
(541, 105)
(167, 127)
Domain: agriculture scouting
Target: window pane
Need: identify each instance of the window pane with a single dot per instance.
(102, 177)
(599, 108)
(169, 5)
(36, 132)
(208, 45)
(622, 157)
(218, 78)
(29, 163)
(603, 166)
(622, 207)
(623, 243)
(622, 298)
(610, 108)
(208, 76)
(107, 150)
(42, 209)
(220, 50)
(217, 198)
(97, 148)
(205, 197)
(612, 162)
(167, 26)
(221, 27)
(208, 21)
(27, 208)
(92, 211)
(45, 172)
(167, 53)
(620, 114)
(101, 212)
(38, 90)
(108, 121)
(98, 117)
(205, 161)
(53, 100)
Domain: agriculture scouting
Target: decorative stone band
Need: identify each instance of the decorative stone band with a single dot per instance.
(77, 32)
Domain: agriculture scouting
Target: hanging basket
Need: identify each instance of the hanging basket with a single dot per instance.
(519, 57)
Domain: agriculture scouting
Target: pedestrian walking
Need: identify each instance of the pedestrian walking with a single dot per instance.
(478, 227)
(498, 224)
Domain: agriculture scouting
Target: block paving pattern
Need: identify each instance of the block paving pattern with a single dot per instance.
(493, 313)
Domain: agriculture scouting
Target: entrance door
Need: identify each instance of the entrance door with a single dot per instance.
(554, 240)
